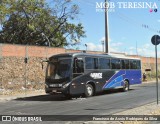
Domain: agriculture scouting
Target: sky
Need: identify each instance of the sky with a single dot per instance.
(130, 29)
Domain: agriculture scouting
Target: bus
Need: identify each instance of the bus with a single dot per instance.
(87, 74)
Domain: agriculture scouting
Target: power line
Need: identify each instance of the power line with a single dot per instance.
(135, 22)
(89, 3)
(123, 17)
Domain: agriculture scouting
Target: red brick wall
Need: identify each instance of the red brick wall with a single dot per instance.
(39, 51)
(33, 51)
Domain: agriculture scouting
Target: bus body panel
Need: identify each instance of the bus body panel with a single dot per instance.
(79, 83)
(134, 76)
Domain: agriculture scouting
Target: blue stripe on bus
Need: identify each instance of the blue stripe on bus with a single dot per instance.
(117, 80)
(115, 83)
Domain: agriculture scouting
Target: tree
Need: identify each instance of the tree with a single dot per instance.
(34, 22)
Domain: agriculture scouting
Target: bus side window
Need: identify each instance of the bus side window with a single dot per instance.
(78, 66)
(91, 63)
(104, 63)
(95, 63)
(115, 64)
(138, 64)
(125, 64)
(133, 64)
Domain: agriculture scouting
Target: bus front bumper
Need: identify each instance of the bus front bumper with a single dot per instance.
(63, 90)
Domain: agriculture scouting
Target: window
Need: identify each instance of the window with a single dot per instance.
(133, 64)
(115, 63)
(104, 63)
(91, 63)
(125, 64)
(78, 66)
(138, 64)
(59, 69)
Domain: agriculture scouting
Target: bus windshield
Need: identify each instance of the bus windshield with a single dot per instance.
(59, 69)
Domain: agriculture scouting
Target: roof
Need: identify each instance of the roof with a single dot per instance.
(94, 55)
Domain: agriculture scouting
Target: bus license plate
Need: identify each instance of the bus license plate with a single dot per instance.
(55, 85)
(54, 91)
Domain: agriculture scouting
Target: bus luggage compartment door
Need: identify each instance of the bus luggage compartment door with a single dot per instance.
(77, 88)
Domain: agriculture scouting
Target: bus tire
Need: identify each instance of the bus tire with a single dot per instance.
(89, 91)
(125, 86)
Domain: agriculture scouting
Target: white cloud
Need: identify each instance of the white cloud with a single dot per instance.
(146, 46)
(103, 39)
(114, 44)
(94, 47)
(132, 48)
(144, 50)
(114, 47)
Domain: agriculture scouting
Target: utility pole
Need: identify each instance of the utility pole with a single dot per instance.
(106, 27)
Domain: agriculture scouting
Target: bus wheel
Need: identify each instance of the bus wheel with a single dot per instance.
(89, 90)
(125, 86)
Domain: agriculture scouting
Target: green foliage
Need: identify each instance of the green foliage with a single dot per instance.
(34, 22)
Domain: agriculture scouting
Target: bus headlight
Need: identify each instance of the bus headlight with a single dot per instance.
(66, 85)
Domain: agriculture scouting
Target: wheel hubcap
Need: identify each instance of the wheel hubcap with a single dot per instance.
(126, 86)
(89, 90)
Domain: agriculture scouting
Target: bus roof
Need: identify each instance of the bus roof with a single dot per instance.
(120, 56)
